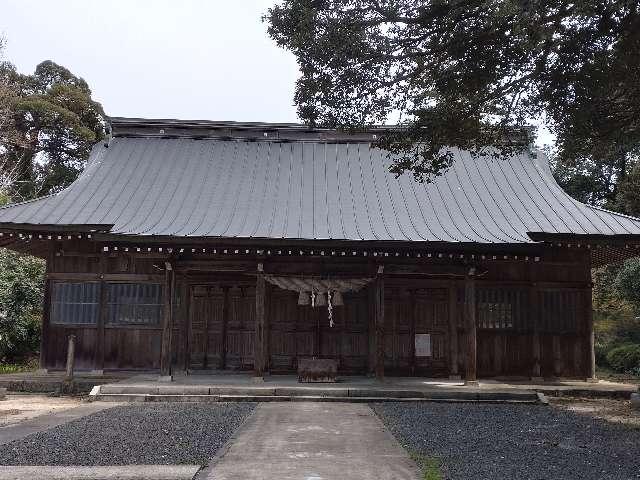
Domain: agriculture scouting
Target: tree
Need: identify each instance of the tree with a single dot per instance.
(48, 124)
(469, 73)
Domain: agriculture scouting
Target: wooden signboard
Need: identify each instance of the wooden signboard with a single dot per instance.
(423, 345)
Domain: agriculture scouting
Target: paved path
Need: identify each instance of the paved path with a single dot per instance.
(49, 420)
(314, 441)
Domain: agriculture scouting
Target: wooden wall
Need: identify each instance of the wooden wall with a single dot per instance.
(543, 330)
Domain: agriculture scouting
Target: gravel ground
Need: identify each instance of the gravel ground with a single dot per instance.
(178, 433)
(525, 442)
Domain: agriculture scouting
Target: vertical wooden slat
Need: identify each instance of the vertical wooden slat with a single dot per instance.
(534, 323)
(591, 341)
(225, 320)
(453, 331)
(259, 348)
(412, 334)
(471, 373)
(379, 317)
(167, 322)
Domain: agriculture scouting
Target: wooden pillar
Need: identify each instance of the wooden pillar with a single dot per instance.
(379, 319)
(591, 340)
(453, 331)
(259, 363)
(98, 360)
(46, 309)
(471, 373)
(167, 323)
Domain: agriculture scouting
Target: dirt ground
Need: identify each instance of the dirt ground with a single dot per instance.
(18, 407)
(615, 411)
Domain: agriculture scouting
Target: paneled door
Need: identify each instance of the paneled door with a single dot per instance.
(207, 323)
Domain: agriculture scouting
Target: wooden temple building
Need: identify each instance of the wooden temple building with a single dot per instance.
(205, 246)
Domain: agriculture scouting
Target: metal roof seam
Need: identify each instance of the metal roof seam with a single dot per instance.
(472, 204)
(515, 194)
(276, 192)
(339, 202)
(445, 204)
(364, 196)
(124, 185)
(412, 184)
(546, 200)
(238, 196)
(60, 196)
(518, 237)
(164, 225)
(121, 227)
(547, 179)
(408, 210)
(227, 185)
(378, 194)
(144, 225)
(205, 155)
(262, 203)
(208, 205)
(393, 205)
(351, 193)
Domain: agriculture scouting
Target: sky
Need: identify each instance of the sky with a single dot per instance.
(184, 59)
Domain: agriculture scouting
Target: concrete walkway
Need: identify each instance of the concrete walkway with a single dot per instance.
(47, 421)
(314, 441)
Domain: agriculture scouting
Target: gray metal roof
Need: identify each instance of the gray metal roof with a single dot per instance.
(316, 189)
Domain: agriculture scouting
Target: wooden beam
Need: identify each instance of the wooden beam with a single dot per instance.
(259, 364)
(167, 323)
(379, 317)
(471, 373)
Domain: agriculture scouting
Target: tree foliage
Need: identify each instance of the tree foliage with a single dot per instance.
(21, 290)
(48, 124)
(467, 73)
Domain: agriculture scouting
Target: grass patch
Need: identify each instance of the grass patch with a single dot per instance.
(430, 466)
(604, 373)
(27, 366)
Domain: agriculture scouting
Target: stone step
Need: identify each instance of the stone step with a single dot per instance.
(379, 396)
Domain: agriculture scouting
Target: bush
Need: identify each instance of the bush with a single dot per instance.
(624, 358)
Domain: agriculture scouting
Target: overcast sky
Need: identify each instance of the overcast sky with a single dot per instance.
(194, 59)
(185, 59)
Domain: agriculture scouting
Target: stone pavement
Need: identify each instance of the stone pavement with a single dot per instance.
(313, 441)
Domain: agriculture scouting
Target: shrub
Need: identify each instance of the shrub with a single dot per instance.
(624, 358)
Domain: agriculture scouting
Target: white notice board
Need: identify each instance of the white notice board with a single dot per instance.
(423, 345)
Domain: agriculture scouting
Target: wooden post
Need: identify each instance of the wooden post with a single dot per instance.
(591, 340)
(71, 356)
(379, 310)
(46, 309)
(98, 360)
(259, 347)
(453, 332)
(167, 324)
(471, 373)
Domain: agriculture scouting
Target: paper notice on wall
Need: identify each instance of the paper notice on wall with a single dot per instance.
(423, 345)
